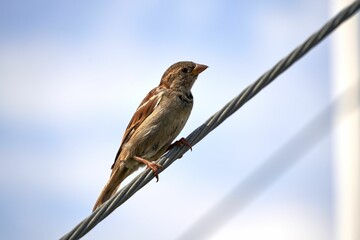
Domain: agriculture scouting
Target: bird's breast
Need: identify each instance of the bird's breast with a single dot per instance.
(161, 127)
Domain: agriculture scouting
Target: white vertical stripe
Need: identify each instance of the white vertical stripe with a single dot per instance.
(345, 72)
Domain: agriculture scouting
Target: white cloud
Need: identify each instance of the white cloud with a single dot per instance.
(68, 83)
(289, 221)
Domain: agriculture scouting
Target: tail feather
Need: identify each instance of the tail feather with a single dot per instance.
(117, 176)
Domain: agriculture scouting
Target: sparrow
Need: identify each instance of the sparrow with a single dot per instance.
(158, 120)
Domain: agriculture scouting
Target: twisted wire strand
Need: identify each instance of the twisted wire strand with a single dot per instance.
(271, 169)
(198, 134)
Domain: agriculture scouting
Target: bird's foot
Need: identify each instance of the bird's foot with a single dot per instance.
(181, 142)
(153, 166)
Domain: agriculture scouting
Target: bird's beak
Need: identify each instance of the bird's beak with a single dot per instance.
(199, 68)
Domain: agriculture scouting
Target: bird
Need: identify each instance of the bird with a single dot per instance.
(157, 121)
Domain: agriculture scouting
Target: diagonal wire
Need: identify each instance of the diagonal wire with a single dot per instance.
(272, 169)
(166, 160)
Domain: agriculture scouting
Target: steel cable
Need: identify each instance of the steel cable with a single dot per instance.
(198, 134)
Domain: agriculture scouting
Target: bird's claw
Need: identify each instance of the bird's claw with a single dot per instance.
(181, 142)
(153, 166)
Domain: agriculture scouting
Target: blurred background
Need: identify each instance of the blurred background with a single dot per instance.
(73, 72)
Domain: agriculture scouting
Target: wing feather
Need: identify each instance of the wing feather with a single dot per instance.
(145, 108)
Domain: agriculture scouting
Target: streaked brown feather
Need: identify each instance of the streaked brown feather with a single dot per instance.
(145, 108)
(157, 121)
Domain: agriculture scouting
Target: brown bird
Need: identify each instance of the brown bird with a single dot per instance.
(157, 121)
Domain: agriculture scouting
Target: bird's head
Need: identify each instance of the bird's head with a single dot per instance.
(181, 75)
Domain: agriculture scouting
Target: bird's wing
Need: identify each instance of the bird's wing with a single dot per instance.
(145, 108)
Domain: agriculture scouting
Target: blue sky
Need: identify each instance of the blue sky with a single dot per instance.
(73, 72)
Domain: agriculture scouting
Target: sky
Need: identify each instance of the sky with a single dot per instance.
(73, 72)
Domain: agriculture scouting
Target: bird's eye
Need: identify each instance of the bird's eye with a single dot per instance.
(184, 70)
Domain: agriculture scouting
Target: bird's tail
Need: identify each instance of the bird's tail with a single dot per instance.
(117, 176)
